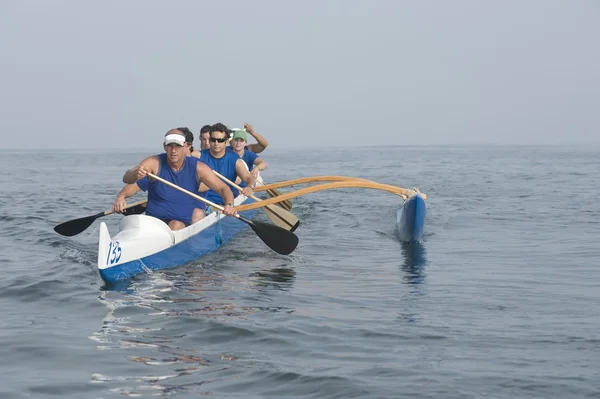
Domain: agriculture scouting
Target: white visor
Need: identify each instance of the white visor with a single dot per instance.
(174, 139)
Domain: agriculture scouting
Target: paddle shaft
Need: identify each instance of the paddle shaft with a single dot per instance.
(76, 226)
(106, 213)
(183, 190)
(254, 197)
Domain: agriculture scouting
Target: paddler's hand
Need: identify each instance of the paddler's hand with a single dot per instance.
(119, 205)
(254, 172)
(248, 127)
(247, 191)
(141, 172)
(229, 210)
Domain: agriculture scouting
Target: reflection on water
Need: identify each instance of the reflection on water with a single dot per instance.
(145, 316)
(280, 278)
(124, 329)
(415, 260)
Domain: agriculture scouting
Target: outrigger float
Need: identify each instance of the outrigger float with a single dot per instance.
(144, 244)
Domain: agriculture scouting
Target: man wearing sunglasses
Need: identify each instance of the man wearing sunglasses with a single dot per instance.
(227, 163)
(175, 208)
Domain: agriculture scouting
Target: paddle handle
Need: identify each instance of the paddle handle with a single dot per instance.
(106, 213)
(254, 197)
(183, 190)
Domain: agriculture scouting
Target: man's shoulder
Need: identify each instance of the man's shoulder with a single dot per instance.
(232, 155)
(192, 160)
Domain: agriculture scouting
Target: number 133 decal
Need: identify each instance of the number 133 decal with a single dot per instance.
(114, 253)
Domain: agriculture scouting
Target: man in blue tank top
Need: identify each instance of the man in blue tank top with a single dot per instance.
(225, 162)
(239, 140)
(174, 207)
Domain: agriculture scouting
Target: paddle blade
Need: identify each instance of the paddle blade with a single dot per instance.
(76, 226)
(279, 240)
(282, 218)
(285, 204)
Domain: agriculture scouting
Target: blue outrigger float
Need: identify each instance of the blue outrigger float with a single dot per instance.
(411, 218)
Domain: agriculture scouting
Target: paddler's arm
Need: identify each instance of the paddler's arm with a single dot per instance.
(203, 188)
(126, 192)
(149, 164)
(242, 171)
(259, 165)
(261, 143)
(206, 176)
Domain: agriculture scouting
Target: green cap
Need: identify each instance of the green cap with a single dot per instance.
(240, 134)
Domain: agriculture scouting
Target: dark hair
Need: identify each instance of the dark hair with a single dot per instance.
(189, 136)
(205, 129)
(219, 127)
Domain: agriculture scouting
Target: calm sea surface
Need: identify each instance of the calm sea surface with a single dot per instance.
(501, 300)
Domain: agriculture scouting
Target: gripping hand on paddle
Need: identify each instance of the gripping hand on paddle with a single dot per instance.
(141, 172)
(148, 165)
(248, 192)
(120, 203)
(229, 210)
(206, 176)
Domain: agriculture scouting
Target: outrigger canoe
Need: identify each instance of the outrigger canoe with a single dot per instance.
(145, 244)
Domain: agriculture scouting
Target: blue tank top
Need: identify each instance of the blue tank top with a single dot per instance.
(167, 203)
(225, 166)
(249, 157)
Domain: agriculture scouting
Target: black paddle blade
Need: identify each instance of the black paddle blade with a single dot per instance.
(279, 240)
(294, 227)
(76, 226)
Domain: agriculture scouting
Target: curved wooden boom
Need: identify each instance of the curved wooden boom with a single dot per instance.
(346, 183)
(303, 180)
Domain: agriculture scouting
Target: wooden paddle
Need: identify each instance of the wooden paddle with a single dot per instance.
(279, 240)
(287, 204)
(329, 186)
(76, 226)
(279, 216)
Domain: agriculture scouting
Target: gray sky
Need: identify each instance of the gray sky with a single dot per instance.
(119, 74)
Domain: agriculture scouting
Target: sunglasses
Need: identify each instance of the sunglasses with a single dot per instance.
(214, 140)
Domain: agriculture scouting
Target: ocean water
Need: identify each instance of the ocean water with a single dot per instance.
(500, 300)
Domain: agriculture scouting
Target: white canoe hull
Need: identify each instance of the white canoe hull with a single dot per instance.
(145, 244)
